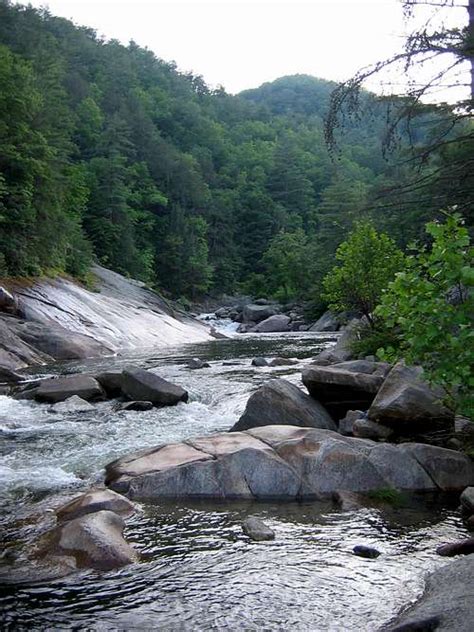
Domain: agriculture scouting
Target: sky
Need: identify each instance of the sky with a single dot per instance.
(241, 44)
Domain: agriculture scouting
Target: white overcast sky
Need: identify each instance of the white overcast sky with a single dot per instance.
(240, 44)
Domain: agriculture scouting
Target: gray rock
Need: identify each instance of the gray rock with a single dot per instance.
(467, 500)
(366, 551)
(346, 423)
(257, 530)
(405, 399)
(93, 501)
(142, 385)
(449, 469)
(276, 323)
(461, 547)
(272, 462)
(341, 351)
(94, 540)
(259, 362)
(8, 376)
(222, 312)
(72, 404)
(364, 366)
(463, 425)
(8, 302)
(61, 388)
(196, 363)
(447, 601)
(282, 362)
(111, 382)
(256, 313)
(340, 390)
(366, 429)
(349, 501)
(136, 406)
(327, 322)
(280, 402)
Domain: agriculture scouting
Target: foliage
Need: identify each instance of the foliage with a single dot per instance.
(367, 262)
(285, 260)
(431, 305)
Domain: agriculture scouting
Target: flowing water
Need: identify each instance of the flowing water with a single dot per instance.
(197, 570)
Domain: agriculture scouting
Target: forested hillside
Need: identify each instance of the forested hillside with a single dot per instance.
(107, 152)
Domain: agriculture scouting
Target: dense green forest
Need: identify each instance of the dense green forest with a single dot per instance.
(108, 153)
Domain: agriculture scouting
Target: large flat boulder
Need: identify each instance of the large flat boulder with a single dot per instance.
(142, 385)
(407, 401)
(281, 462)
(61, 388)
(278, 322)
(280, 402)
(340, 390)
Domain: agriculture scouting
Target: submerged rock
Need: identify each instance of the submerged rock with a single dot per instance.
(74, 404)
(196, 363)
(280, 402)
(136, 406)
(461, 547)
(95, 500)
(142, 385)
(259, 362)
(278, 361)
(62, 388)
(257, 530)
(366, 551)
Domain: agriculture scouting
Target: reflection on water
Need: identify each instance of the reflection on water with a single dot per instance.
(198, 571)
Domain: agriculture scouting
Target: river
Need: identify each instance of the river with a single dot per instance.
(198, 571)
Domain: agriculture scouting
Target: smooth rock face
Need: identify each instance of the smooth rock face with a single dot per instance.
(448, 601)
(74, 404)
(61, 388)
(93, 501)
(405, 398)
(340, 390)
(327, 322)
(94, 540)
(257, 530)
(280, 402)
(276, 323)
(281, 462)
(142, 385)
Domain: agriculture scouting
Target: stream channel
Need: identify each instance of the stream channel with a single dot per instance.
(198, 571)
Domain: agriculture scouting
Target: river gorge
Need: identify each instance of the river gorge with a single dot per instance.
(197, 569)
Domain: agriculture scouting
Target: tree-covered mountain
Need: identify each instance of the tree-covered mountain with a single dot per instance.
(107, 152)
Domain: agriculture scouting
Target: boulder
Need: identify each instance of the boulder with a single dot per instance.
(366, 429)
(346, 424)
(95, 500)
(136, 406)
(327, 322)
(111, 382)
(405, 400)
(282, 362)
(467, 500)
(257, 530)
(8, 302)
(259, 362)
(256, 313)
(366, 551)
(276, 323)
(449, 469)
(364, 366)
(94, 540)
(461, 547)
(61, 388)
(8, 376)
(447, 603)
(72, 404)
(142, 385)
(280, 402)
(196, 363)
(274, 462)
(222, 312)
(341, 351)
(340, 390)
